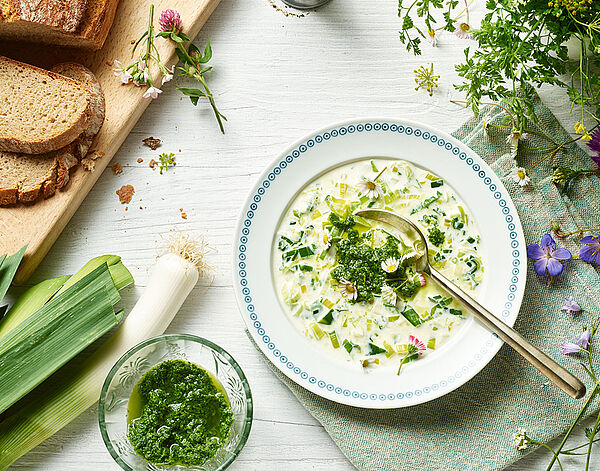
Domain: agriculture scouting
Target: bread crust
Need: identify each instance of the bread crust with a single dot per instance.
(81, 122)
(62, 14)
(90, 34)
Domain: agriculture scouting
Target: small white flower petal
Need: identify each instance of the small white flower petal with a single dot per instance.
(125, 77)
(152, 92)
(117, 67)
(388, 295)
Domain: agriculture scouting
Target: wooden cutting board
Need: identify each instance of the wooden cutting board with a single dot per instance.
(39, 225)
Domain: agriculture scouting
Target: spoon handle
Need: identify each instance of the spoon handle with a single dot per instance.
(559, 375)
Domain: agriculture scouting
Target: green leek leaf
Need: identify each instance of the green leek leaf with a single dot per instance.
(29, 302)
(8, 268)
(55, 333)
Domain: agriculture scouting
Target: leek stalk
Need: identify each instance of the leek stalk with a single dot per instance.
(77, 386)
(54, 334)
(36, 296)
(30, 301)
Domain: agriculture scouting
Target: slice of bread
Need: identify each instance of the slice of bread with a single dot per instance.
(82, 24)
(70, 155)
(25, 178)
(40, 111)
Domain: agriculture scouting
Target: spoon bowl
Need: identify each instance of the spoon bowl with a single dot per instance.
(560, 376)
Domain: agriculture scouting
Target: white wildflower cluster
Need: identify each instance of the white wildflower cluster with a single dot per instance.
(520, 439)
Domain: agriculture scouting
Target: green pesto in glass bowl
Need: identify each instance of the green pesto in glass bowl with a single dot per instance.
(125, 375)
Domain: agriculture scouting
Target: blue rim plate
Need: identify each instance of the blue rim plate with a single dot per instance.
(502, 250)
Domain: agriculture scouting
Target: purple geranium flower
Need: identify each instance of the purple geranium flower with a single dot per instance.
(571, 306)
(547, 257)
(594, 144)
(581, 343)
(590, 252)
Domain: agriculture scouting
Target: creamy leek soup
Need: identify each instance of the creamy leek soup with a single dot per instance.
(350, 284)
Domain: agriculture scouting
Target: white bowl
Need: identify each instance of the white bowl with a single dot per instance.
(502, 249)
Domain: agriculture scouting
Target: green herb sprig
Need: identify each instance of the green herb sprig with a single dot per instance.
(520, 44)
(166, 161)
(193, 62)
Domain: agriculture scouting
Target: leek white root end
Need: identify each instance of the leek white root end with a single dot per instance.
(193, 250)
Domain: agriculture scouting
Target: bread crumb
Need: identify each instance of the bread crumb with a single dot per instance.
(125, 193)
(141, 207)
(116, 168)
(180, 209)
(152, 163)
(183, 215)
(88, 164)
(140, 160)
(152, 142)
(132, 41)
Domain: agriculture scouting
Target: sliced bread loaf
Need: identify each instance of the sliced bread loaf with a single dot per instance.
(77, 23)
(25, 178)
(40, 111)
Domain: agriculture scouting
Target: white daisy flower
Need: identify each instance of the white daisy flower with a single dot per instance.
(410, 257)
(390, 265)
(519, 175)
(463, 30)
(348, 290)
(421, 279)
(370, 188)
(388, 295)
(513, 140)
(433, 39)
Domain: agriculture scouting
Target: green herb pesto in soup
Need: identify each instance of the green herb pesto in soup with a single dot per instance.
(351, 286)
(178, 414)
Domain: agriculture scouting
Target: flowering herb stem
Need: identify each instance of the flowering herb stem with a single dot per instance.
(591, 443)
(563, 235)
(492, 104)
(193, 68)
(570, 430)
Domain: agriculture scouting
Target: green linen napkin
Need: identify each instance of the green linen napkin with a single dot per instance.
(472, 427)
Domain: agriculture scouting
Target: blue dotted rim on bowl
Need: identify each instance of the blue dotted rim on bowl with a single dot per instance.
(511, 220)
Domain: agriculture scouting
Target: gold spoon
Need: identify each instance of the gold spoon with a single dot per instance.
(559, 375)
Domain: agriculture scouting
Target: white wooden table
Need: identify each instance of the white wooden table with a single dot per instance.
(276, 78)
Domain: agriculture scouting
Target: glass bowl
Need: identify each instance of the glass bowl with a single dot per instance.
(117, 388)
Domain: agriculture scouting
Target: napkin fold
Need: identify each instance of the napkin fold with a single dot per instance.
(472, 428)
